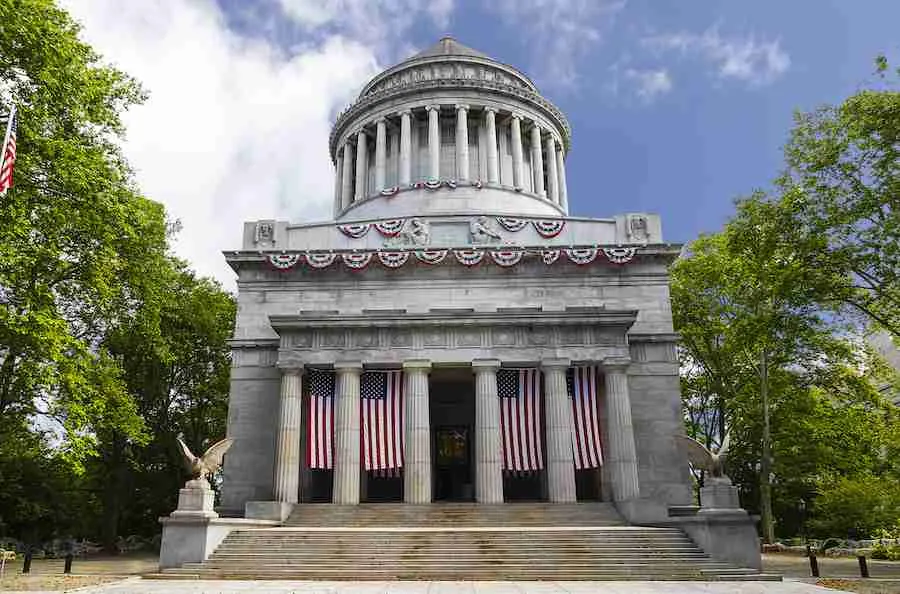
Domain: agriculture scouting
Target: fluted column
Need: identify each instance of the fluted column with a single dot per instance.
(552, 169)
(338, 173)
(380, 153)
(493, 165)
(346, 433)
(488, 455)
(462, 142)
(417, 447)
(561, 166)
(622, 458)
(347, 177)
(287, 441)
(362, 165)
(516, 131)
(560, 458)
(434, 142)
(537, 160)
(405, 147)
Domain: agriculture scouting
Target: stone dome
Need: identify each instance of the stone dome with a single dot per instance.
(450, 131)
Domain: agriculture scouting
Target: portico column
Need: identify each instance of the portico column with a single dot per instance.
(346, 433)
(338, 172)
(462, 142)
(417, 447)
(362, 165)
(488, 468)
(560, 458)
(537, 160)
(434, 142)
(380, 153)
(561, 166)
(347, 176)
(622, 458)
(516, 131)
(287, 440)
(552, 170)
(493, 167)
(405, 147)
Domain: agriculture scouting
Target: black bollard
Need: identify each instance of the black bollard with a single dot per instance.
(26, 567)
(863, 566)
(67, 568)
(813, 562)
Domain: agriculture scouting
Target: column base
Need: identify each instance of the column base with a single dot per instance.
(276, 511)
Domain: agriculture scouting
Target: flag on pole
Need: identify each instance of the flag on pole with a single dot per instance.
(520, 419)
(8, 152)
(320, 449)
(582, 386)
(381, 395)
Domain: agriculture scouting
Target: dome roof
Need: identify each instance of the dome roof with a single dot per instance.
(448, 46)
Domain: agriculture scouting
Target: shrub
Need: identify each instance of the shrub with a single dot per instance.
(857, 507)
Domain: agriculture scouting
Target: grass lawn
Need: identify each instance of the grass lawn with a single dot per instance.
(839, 573)
(47, 574)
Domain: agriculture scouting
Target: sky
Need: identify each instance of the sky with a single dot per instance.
(676, 108)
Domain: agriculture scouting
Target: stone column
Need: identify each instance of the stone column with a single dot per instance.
(362, 165)
(462, 142)
(561, 175)
(417, 449)
(488, 455)
(380, 154)
(338, 172)
(434, 141)
(493, 164)
(287, 448)
(405, 147)
(346, 433)
(621, 455)
(560, 457)
(516, 129)
(552, 171)
(537, 160)
(347, 176)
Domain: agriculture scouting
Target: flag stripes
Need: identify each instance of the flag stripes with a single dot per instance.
(582, 387)
(520, 419)
(8, 152)
(320, 442)
(381, 420)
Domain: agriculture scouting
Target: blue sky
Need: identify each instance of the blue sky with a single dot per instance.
(677, 107)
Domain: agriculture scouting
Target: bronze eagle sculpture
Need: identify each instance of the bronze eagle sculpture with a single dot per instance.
(206, 465)
(702, 458)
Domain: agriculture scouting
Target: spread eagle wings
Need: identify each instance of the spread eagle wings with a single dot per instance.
(698, 455)
(212, 457)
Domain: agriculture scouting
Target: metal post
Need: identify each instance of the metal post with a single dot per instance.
(26, 567)
(813, 562)
(863, 566)
(68, 566)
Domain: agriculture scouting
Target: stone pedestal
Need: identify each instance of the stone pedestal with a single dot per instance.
(196, 500)
(719, 494)
(727, 535)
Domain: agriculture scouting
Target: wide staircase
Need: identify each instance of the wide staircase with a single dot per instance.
(460, 542)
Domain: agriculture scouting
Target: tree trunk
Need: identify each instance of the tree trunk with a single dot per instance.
(765, 467)
(111, 502)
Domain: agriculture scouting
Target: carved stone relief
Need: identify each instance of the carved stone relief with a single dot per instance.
(482, 230)
(637, 228)
(264, 234)
(415, 232)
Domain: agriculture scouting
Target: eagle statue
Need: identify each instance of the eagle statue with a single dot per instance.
(205, 466)
(702, 459)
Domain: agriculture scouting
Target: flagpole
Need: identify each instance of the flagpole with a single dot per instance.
(9, 123)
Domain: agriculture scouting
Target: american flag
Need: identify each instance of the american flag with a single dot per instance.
(582, 386)
(382, 420)
(8, 152)
(320, 448)
(520, 419)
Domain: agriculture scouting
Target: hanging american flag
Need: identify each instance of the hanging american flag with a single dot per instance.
(582, 385)
(320, 448)
(8, 152)
(520, 419)
(382, 420)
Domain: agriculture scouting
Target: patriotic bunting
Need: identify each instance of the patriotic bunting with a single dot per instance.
(390, 191)
(549, 256)
(433, 184)
(548, 229)
(469, 257)
(511, 224)
(582, 256)
(355, 230)
(451, 183)
(381, 420)
(582, 386)
(393, 259)
(620, 255)
(323, 260)
(431, 256)
(520, 419)
(283, 261)
(320, 434)
(506, 258)
(478, 184)
(357, 261)
(390, 228)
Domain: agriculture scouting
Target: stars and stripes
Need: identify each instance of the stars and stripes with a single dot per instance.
(582, 387)
(8, 152)
(320, 450)
(381, 420)
(520, 419)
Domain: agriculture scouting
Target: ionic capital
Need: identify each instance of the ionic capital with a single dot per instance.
(616, 364)
(289, 367)
(490, 109)
(462, 107)
(485, 365)
(404, 112)
(516, 116)
(433, 107)
(348, 367)
(417, 365)
(555, 364)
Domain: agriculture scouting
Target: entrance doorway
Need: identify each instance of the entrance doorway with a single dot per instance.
(452, 412)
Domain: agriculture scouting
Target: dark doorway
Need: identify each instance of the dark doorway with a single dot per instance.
(588, 485)
(452, 471)
(384, 487)
(319, 486)
(523, 486)
(452, 412)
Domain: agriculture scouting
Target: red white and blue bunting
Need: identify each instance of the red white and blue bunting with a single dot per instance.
(469, 257)
(390, 228)
(621, 255)
(511, 224)
(356, 260)
(283, 261)
(478, 184)
(549, 228)
(323, 260)
(432, 184)
(550, 256)
(390, 191)
(507, 258)
(393, 259)
(431, 256)
(582, 256)
(355, 230)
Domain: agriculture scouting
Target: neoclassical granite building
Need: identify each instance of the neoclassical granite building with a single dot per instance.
(453, 259)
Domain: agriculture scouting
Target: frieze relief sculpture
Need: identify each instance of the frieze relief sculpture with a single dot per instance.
(415, 233)
(482, 230)
(264, 232)
(638, 228)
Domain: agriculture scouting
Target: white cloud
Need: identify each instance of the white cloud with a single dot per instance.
(650, 84)
(233, 130)
(741, 58)
(558, 32)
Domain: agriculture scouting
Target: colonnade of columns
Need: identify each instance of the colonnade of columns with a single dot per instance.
(546, 157)
(619, 451)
